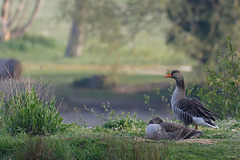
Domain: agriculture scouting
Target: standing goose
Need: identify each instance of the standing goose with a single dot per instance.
(158, 129)
(189, 110)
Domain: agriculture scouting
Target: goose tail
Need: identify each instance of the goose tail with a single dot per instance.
(211, 124)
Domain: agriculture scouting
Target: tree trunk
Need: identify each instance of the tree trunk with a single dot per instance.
(8, 20)
(5, 31)
(20, 31)
(76, 37)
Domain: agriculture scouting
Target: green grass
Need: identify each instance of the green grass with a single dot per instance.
(41, 53)
(121, 136)
(100, 143)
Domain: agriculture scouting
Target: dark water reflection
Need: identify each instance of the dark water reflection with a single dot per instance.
(134, 105)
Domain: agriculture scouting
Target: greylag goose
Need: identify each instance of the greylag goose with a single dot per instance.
(189, 110)
(158, 129)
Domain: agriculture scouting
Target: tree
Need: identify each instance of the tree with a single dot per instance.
(76, 37)
(16, 17)
(113, 22)
(200, 27)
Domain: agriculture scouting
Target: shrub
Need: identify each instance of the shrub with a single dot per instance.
(222, 93)
(25, 112)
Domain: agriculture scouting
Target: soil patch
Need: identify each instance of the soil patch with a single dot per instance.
(202, 141)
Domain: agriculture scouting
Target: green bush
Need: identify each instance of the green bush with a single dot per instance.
(222, 93)
(25, 112)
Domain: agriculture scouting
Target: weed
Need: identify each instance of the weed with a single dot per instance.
(26, 111)
(222, 93)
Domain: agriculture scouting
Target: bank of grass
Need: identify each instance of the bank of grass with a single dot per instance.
(120, 137)
(104, 143)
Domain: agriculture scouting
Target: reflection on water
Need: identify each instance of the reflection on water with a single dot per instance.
(134, 106)
(119, 104)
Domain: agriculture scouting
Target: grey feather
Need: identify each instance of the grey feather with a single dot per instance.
(160, 130)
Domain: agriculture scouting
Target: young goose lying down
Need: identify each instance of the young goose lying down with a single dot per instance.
(158, 129)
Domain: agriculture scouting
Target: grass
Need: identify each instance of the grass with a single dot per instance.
(100, 143)
(41, 53)
(122, 136)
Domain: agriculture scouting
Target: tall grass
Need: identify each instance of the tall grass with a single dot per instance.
(29, 110)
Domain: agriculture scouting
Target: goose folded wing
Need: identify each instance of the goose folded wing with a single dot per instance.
(194, 107)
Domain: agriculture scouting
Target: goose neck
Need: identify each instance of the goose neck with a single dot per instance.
(178, 94)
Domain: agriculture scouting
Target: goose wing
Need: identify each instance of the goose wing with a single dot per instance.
(177, 131)
(194, 107)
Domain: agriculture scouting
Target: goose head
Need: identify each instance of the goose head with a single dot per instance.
(156, 120)
(177, 75)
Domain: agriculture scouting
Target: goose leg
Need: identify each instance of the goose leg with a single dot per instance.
(196, 127)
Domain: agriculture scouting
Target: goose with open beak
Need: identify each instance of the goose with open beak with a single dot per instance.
(189, 110)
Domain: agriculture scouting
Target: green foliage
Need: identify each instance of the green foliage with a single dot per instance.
(25, 112)
(114, 23)
(222, 93)
(201, 26)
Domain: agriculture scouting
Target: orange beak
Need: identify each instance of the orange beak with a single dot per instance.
(168, 76)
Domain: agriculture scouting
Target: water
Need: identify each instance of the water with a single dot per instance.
(118, 104)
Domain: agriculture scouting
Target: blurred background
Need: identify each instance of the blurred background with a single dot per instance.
(95, 52)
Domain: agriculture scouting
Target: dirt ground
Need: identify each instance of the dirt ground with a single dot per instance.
(200, 141)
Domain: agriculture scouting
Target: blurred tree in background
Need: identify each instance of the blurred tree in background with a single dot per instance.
(113, 22)
(79, 19)
(16, 17)
(200, 27)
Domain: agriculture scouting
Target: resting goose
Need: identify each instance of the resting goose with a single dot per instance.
(158, 129)
(189, 110)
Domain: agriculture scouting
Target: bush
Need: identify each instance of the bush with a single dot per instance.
(25, 112)
(222, 93)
